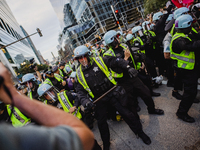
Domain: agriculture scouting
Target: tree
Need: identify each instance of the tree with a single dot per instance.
(25, 68)
(153, 5)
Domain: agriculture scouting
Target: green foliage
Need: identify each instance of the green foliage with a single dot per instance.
(153, 5)
(26, 68)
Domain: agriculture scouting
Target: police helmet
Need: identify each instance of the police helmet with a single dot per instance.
(183, 21)
(119, 32)
(28, 77)
(180, 11)
(43, 89)
(62, 64)
(54, 68)
(109, 37)
(145, 23)
(129, 37)
(170, 17)
(157, 16)
(152, 26)
(81, 51)
(138, 28)
(104, 43)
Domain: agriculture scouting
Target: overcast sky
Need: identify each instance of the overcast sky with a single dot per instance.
(32, 14)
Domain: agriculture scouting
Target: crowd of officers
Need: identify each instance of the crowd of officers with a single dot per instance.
(104, 81)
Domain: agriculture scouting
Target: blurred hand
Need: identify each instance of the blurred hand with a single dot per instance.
(63, 83)
(126, 54)
(6, 80)
(72, 109)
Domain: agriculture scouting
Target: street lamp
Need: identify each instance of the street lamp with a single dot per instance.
(38, 31)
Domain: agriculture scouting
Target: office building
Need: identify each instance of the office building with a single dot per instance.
(10, 31)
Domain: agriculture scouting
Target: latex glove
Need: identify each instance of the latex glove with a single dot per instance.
(132, 72)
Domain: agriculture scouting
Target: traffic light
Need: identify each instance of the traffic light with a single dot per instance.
(39, 32)
(117, 15)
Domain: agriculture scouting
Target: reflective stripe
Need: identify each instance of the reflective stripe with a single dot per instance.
(48, 81)
(183, 58)
(186, 59)
(30, 94)
(17, 118)
(64, 101)
(58, 77)
(82, 81)
(104, 69)
(184, 65)
(61, 74)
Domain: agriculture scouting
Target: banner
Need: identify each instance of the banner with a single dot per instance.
(182, 3)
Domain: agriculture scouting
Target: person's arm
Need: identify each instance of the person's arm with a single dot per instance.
(38, 74)
(44, 114)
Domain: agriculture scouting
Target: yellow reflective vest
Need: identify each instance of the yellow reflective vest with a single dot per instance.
(186, 59)
(66, 105)
(17, 118)
(100, 63)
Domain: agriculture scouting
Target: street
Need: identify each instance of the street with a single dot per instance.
(166, 131)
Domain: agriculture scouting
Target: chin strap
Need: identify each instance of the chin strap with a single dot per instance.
(9, 94)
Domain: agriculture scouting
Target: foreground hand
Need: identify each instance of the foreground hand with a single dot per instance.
(6, 80)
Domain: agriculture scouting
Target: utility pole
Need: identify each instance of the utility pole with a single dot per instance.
(38, 31)
(116, 17)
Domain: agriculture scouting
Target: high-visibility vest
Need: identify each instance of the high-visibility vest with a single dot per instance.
(100, 63)
(153, 35)
(58, 77)
(66, 105)
(141, 43)
(173, 27)
(17, 118)
(186, 59)
(60, 72)
(48, 81)
(30, 94)
(110, 52)
(67, 65)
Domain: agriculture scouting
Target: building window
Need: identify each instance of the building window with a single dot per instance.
(5, 26)
(10, 30)
(101, 18)
(1, 26)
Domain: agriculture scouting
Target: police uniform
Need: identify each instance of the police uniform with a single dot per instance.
(182, 51)
(133, 86)
(95, 80)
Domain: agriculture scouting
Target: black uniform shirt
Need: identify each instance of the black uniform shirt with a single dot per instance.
(96, 79)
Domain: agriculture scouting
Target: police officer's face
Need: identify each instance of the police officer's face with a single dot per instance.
(83, 60)
(50, 96)
(62, 67)
(29, 84)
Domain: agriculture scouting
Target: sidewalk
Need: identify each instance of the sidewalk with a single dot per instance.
(166, 131)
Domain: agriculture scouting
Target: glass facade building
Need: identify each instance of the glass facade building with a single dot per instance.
(10, 31)
(131, 10)
(93, 18)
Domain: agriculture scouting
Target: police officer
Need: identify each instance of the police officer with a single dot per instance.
(183, 50)
(51, 80)
(133, 86)
(18, 119)
(160, 19)
(93, 80)
(61, 70)
(30, 81)
(146, 44)
(63, 100)
(59, 78)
